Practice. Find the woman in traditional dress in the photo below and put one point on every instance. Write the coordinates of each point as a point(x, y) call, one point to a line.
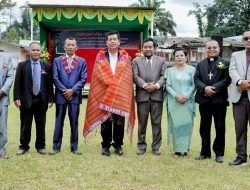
point(180, 103)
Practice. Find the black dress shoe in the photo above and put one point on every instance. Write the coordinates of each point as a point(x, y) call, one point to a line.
point(157, 152)
point(186, 154)
point(42, 151)
point(21, 152)
point(4, 156)
point(76, 152)
point(53, 152)
point(118, 151)
point(105, 152)
point(219, 159)
point(140, 151)
point(177, 154)
point(238, 162)
point(201, 157)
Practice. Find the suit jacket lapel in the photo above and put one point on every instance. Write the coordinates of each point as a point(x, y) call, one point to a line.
point(153, 65)
point(28, 65)
point(1, 77)
point(244, 60)
point(3, 62)
point(43, 72)
point(144, 62)
point(1, 66)
point(215, 70)
point(206, 70)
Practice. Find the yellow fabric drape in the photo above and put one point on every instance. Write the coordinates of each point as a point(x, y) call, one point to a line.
point(91, 13)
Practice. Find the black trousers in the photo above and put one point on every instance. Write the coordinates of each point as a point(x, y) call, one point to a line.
point(113, 128)
point(241, 113)
point(38, 111)
point(218, 113)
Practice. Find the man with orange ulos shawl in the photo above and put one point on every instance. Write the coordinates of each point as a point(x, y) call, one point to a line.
point(111, 98)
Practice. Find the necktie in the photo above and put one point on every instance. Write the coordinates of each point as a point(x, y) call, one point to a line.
point(35, 79)
point(248, 62)
point(148, 77)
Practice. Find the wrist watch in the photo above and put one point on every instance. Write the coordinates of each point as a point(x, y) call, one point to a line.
point(239, 82)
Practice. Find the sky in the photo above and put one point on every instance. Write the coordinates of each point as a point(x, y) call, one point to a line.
point(186, 25)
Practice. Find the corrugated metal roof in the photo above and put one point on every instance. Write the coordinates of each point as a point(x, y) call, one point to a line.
point(236, 38)
point(10, 43)
point(187, 41)
point(168, 42)
point(26, 43)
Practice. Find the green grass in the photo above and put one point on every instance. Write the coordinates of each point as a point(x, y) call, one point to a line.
point(92, 171)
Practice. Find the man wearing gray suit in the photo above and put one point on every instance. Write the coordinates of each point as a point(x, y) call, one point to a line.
point(6, 79)
point(239, 72)
point(148, 75)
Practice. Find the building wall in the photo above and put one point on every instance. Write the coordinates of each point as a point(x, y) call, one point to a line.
point(12, 49)
point(195, 54)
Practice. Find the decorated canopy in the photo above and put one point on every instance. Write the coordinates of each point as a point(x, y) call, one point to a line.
point(92, 17)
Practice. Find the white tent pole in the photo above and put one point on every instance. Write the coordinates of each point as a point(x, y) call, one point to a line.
point(152, 26)
point(31, 25)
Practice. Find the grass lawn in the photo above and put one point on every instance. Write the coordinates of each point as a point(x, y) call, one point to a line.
point(92, 171)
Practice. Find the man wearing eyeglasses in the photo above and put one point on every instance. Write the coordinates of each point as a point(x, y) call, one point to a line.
point(211, 80)
point(239, 96)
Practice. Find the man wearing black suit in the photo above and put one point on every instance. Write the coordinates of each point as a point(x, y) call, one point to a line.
point(211, 80)
point(33, 93)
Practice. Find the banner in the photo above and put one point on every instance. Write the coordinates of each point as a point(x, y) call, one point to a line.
point(87, 39)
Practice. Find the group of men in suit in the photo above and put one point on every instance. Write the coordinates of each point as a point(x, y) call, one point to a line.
point(148, 75)
point(33, 94)
point(213, 76)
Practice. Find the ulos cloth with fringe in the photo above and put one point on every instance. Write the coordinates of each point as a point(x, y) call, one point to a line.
point(110, 93)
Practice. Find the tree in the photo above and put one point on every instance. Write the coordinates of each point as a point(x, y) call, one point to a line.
point(23, 27)
point(226, 17)
point(229, 17)
point(163, 20)
point(6, 4)
point(199, 14)
point(25, 24)
point(11, 35)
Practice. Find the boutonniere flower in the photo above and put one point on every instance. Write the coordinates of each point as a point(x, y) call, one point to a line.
point(4, 66)
point(43, 72)
point(221, 66)
point(139, 54)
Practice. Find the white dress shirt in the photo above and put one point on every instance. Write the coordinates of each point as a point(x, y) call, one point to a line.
point(70, 59)
point(113, 61)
